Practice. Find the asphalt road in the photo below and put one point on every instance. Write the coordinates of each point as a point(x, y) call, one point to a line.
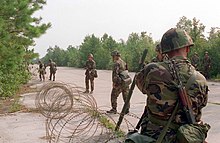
point(30, 127)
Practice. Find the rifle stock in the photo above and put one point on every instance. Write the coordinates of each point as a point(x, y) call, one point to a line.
point(130, 93)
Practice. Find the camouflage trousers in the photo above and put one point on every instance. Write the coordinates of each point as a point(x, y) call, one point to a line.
point(52, 73)
point(91, 79)
point(115, 93)
point(206, 72)
point(41, 75)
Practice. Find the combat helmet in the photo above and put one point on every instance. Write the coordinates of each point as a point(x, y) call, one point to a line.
point(115, 53)
point(175, 39)
point(90, 55)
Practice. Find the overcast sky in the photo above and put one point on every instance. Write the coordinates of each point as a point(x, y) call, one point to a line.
point(72, 20)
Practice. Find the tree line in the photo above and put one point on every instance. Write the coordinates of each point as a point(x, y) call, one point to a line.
point(132, 48)
point(19, 29)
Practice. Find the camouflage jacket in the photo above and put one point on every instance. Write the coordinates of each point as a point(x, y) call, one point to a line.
point(118, 67)
point(41, 67)
point(156, 80)
point(195, 60)
point(90, 65)
point(207, 61)
point(53, 66)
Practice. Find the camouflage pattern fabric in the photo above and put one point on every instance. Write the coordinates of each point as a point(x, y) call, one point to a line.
point(41, 71)
point(90, 65)
point(206, 66)
point(53, 69)
point(195, 61)
point(157, 82)
point(118, 67)
point(175, 39)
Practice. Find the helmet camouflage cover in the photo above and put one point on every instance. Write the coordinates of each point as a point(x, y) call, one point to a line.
point(115, 53)
point(90, 55)
point(175, 39)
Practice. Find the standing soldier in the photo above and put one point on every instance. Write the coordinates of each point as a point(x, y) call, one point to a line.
point(195, 60)
point(90, 73)
point(53, 69)
point(119, 83)
point(41, 71)
point(206, 65)
point(165, 119)
point(159, 57)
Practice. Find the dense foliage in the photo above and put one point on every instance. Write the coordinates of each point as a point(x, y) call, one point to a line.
point(132, 48)
point(18, 28)
point(101, 48)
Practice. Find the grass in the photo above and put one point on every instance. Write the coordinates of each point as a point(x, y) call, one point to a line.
point(12, 104)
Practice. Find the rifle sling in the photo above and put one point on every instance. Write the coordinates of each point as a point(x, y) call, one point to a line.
point(168, 124)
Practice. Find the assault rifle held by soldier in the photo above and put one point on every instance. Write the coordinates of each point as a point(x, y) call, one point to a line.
point(184, 99)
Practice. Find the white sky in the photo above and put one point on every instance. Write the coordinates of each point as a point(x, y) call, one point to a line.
point(72, 20)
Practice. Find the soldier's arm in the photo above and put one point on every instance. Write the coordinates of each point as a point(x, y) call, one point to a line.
point(198, 92)
point(94, 65)
point(116, 78)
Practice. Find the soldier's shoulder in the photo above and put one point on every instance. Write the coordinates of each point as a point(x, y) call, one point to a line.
point(155, 66)
point(154, 59)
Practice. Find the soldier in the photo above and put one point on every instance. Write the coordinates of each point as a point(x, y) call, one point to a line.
point(195, 60)
point(206, 65)
point(119, 70)
point(159, 57)
point(41, 71)
point(53, 69)
point(90, 68)
point(159, 83)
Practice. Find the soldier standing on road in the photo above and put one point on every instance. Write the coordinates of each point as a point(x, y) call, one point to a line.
point(119, 86)
point(41, 71)
point(206, 65)
point(90, 75)
point(53, 69)
point(159, 57)
point(195, 60)
point(159, 83)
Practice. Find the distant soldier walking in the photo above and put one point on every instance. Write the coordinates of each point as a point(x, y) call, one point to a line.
point(119, 86)
point(41, 71)
point(53, 69)
point(195, 60)
point(206, 65)
point(90, 73)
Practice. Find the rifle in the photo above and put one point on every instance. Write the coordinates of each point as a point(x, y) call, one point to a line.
point(184, 99)
point(130, 92)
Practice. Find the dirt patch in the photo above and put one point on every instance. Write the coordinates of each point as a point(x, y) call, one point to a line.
point(11, 104)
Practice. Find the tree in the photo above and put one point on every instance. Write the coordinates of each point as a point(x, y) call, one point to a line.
point(18, 28)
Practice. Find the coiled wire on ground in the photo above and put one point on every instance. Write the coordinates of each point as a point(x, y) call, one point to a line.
point(72, 116)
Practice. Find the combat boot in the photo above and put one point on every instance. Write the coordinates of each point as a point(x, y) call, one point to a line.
point(87, 91)
point(112, 111)
point(127, 111)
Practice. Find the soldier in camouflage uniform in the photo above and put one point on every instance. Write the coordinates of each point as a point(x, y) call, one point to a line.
point(159, 57)
point(53, 69)
point(41, 71)
point(157, 81)
point(90, 66)
point(118, 86)
point(206, 65)
point(195, 60)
